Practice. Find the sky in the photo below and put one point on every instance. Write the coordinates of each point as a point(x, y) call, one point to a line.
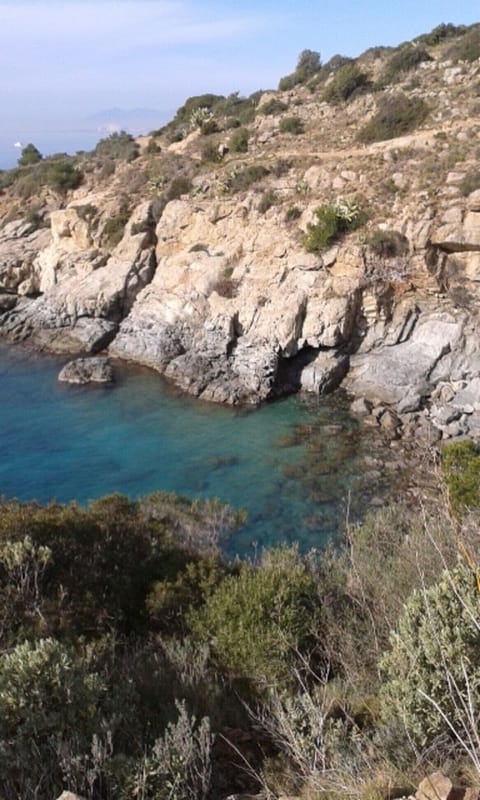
point(66, 66)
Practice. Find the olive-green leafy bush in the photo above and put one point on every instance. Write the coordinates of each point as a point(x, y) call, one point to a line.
point(259, 619)
point(308, 64)
point(118, 147)
point(267, 200)
point(178, 766)
point(48, 711)
point(238, 142)
point(460, 464)
point(432, 672)
point(332, 221)
point(291, 125)
point(467, 48)
point(347, 81)
point(242, 179)
point(396, 116)
point(293, 213)
point(470, 183)
point(403, 60)
point(441, 32)
point(178, 187)
point(387, 243)
point(29, 155)
point(272, 107)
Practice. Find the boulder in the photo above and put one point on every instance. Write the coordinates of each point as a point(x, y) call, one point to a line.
point(70, 796)
point(324, 373)
point(438, 787)
point(87, 370)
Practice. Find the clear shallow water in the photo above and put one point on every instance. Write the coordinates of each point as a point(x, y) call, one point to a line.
point(290, 464)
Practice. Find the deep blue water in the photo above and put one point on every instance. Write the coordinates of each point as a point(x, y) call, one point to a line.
point(284, 462)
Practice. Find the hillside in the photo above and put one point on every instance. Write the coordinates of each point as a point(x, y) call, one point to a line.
point(323, 233)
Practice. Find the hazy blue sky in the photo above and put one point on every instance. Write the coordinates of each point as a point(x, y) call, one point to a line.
point(62, 62)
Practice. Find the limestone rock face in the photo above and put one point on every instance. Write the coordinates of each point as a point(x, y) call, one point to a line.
point(456, 237)
point(18, 251)
point(85, 293)
point(228, 302)
point(389, 374)
point(87, 370)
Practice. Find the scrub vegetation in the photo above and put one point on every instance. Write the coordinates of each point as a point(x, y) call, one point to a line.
point(126, 678)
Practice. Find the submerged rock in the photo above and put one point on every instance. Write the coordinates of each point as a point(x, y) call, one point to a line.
point(87, 370)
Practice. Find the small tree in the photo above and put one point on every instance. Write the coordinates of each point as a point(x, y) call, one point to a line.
point(30, 155)
point(309, 62)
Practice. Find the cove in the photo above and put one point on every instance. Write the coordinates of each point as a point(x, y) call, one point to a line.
point(291, 464)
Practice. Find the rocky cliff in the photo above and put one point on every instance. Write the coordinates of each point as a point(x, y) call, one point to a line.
point(191, 258)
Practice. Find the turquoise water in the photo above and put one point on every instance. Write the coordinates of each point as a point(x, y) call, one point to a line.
point(290, 464)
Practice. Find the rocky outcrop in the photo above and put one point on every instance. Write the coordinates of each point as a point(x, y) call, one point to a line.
point(87, 370)
point(85, 293)
point(210, 283)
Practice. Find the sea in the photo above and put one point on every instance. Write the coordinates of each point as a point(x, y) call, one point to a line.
point(296, 465)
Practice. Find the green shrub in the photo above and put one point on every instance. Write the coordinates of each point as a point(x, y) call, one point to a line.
point(288, 82)
point(246, 176)
point(178, 766)
point(36, 219)
point(108, 169)
point(308, 64)
point(440, 33)
point(210, 153)
point(332, 222)
point(281, 167)
point(48, 712)
point(470, 183)
point(467, 48)
point(178, 187)
point(346, 81)
point(61, 175)
point(387, 243)
point(267, 200)
point(238, 142)
point(405, 59)
point(118, 147)
point(30, 155)
point(291, 125)
point(114, 228)
point(397, 115)
point(152, 147)
point(433, 667)
point(272, 107)
point(460, 464)
point(258, 619)
point(293, 213)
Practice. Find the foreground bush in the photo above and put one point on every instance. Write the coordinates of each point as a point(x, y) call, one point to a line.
point(432, 672)
point(48, 714)
point(258, 620)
